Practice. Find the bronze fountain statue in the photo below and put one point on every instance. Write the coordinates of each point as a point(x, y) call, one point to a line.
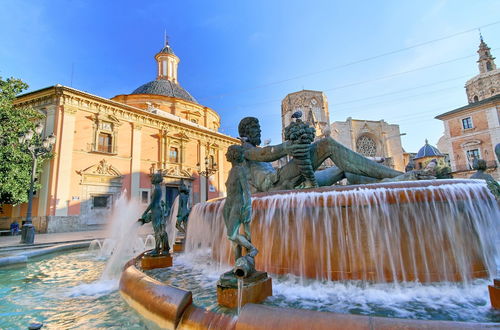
point(155, 213)
point(349, 164)
point(183, 209)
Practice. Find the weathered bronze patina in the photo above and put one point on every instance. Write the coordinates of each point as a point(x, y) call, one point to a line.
point(349, 164)
point(155, 213)
point(255, 286)
point(183, 210)
point(480, 167)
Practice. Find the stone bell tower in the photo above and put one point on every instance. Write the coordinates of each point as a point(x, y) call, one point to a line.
point(314, 107)
point(487, 83)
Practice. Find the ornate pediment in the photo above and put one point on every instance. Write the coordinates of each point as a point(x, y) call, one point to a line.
point(174, 171)
point(101, 173)
point(107, 117)
point(181, 136)
point(471, 143)
point(192, 113)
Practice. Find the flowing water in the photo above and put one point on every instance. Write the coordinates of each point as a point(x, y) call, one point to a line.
point(240, 294)
point(425, 232)
point(198, 273)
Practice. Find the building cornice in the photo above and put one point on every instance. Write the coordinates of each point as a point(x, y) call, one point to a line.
point(480, 104)
point(75, 98)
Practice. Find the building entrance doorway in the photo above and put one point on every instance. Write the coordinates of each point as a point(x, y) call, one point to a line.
point(170, 194)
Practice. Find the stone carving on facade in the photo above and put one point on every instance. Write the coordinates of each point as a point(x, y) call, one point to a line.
point(102, 173)
point(174, 170)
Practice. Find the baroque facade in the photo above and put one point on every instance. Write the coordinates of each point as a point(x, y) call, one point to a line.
point(109, 147)
point(472, 131)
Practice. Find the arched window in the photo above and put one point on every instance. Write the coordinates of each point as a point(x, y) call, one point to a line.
point(366, 146)
point(489, 67)
point(476, 98)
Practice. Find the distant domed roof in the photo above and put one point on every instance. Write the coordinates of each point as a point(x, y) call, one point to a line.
point(166, 88)
point(428, 151)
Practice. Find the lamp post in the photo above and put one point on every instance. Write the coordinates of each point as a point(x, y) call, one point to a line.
point(33, 144)
point(210, 169)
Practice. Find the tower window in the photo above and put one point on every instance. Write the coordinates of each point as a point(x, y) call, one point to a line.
point(489, 67)
point(105, 143)
point(173, 156)
point(476, 98)
point(467, 123)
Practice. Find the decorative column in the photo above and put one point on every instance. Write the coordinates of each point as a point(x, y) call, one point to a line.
point(203, 179)
point(65, 152)
point(220, 162)
point(135, 166)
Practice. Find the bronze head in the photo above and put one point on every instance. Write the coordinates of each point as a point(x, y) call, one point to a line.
point(480, 165)
point(157, 178)
point(249, 127)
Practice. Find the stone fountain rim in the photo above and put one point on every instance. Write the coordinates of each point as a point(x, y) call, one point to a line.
point(400, 185)
point(186, 315)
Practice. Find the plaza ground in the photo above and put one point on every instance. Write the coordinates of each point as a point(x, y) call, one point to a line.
point(58, 238)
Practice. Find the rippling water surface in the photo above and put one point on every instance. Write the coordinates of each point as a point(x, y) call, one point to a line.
point(63, 291)
point(436, 301)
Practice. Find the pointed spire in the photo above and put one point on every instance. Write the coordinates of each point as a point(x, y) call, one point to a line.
point(165, 37)
point(426, 141)
point(486, 61)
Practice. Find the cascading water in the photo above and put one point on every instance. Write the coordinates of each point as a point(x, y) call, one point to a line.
point(426, 231)
point(171, 222)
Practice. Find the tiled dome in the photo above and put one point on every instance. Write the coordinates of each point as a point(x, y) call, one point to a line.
point(165, 87)
point(428, 151)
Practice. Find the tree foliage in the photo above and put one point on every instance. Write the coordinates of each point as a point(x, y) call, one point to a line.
point(15, 164)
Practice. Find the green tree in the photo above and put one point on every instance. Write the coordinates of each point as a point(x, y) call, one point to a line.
point(15, 164)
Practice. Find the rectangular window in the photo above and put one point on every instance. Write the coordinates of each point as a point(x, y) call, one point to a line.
point(99, 202)
point(173, 156)
point(472, 155)
point(467, 123)
point(105, 143)
point(144, 197)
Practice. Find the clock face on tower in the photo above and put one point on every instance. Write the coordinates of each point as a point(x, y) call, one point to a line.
point(314, 102)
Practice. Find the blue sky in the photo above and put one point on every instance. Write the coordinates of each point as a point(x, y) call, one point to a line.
point(242, 57)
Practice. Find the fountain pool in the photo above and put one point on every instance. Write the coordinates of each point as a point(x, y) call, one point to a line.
point(434, 301)
point(66, 291)
point(63, 291)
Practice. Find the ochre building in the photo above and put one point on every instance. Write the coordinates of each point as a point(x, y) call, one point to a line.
point(472, 131)
point(109, 147)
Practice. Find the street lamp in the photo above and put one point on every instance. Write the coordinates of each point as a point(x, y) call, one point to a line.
point(32, 143)
point(210, 168)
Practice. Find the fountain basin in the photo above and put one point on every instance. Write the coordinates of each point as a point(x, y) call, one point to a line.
point(169, 307)
point(427, 231)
